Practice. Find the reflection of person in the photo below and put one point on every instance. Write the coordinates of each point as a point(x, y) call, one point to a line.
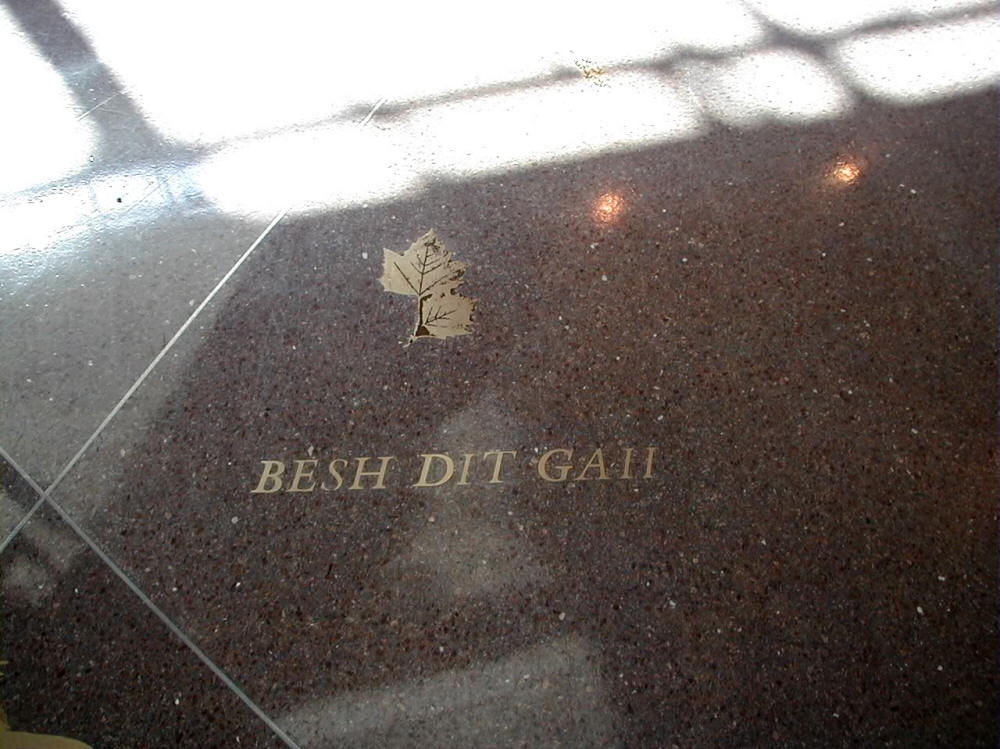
point(18, 740)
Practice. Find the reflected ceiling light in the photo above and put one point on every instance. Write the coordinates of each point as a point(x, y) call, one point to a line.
point(608, 208)
point(846, 172)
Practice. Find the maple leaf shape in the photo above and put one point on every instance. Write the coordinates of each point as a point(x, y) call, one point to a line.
point(428, 272)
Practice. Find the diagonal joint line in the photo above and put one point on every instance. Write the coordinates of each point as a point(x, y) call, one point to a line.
point(156, 360)
point(38, 503)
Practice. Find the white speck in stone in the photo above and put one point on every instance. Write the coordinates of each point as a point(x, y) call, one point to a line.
point(941, 578)
point(364, 255)
point(177, 701)
point(174, 589)
point(920, 610)
point(593, 245)
point(914, 431)
point(673, 604)
point(763, 542)
point(234, 520)
point(940, 668)
point(430, 519)
point(440, 648)
point(912, 191)
point(90, 363)
point(190, 302)
point(562, 616)
point(684, 259)
point(28, 380)
point(841, 223)
point(121, 453)
point(660, 417)
point(604, 277)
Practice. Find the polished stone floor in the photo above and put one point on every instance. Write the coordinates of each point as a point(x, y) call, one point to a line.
point(678, 430)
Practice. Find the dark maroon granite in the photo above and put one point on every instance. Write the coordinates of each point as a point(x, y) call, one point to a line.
point(812, 563)
point(86, 659)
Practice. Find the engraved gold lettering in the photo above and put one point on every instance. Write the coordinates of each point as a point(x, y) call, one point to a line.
point(270, 477)
point(463, 480)
point(335, 472)
point(596, 461)
point(628, 464)
point(495, 479)
point(301, 473)
point(425, 469)
point(543, 465)
point(649, 462)
point(380, 473)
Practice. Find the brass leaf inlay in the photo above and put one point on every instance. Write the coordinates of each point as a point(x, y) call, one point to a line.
point(429, 272)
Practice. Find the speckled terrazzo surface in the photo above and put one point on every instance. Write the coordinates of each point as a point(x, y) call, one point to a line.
point(722, 441)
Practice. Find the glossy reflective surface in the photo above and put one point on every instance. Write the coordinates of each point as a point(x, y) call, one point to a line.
point(712, 465)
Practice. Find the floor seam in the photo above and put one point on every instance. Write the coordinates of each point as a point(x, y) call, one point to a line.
point(38, 502)
point(169, 623)
point(46, 494)
point(163, 352)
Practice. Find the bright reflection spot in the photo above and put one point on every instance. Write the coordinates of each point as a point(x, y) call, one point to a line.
point(253, 68)
point(34, 224)
point(335, 165)
point(41, 138)
point(612, 35)
point(608, 208)
point(846, 172)
point(546, 123)
point(344, 164)
point(927, 63)
point(817, 18)
point(765, 86)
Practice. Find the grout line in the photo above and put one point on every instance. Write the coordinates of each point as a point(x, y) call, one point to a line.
point(20, 524)
point(102, 555)
point(368, 117)
point(156, 360)
point(38, 503)
point(215, 669)
point(24, 474)
point(99, 105)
